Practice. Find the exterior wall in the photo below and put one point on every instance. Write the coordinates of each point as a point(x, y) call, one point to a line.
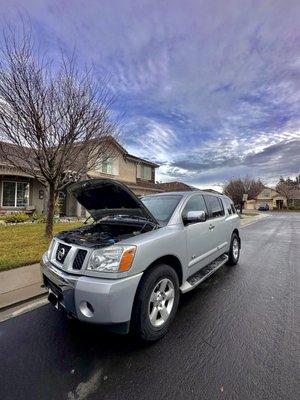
point(34, 196)
point(126, 170)
point(73, 208)
point(250, 205)
point(280, 198)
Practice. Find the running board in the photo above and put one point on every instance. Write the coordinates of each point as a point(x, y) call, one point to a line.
point(204, 273)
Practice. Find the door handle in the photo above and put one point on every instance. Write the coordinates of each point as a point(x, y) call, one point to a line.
point(211, 227)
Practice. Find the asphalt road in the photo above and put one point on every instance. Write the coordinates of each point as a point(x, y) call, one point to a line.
point(235, 337)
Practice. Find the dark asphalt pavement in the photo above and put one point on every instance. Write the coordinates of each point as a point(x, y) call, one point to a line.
point(235, 337)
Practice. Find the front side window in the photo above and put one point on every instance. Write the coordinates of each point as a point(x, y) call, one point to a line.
point(195, 203)
point(161, 207)
point(215, 206)
point(15, 194)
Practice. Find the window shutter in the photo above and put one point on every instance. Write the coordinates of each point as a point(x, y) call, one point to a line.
point(116, 166)
point(138, 171)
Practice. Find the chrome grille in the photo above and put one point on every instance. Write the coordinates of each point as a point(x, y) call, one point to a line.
point(79, 259)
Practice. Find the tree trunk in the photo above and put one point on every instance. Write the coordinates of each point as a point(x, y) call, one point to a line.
point(50, 211)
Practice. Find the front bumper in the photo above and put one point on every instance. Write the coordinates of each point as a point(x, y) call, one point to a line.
point(111, 300)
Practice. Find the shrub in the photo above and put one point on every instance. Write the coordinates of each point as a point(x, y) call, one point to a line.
point(16, 217)
point(38, 217)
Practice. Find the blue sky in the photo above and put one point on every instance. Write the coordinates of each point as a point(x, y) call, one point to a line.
point(209, 89)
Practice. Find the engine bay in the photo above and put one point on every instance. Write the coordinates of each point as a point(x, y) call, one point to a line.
point(105, 233)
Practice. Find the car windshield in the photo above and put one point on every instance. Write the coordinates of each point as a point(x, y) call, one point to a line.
point(161, 207)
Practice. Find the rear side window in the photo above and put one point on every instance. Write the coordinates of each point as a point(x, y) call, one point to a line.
point(195, 203)
point(215, 206)
point(229, 206)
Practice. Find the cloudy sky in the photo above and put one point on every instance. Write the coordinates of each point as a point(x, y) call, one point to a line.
point(209, 89)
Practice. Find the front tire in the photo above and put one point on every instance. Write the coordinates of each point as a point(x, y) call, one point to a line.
point(156, 303)
point(234, 251)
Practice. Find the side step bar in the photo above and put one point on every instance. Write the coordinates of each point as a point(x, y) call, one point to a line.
point(204, 273)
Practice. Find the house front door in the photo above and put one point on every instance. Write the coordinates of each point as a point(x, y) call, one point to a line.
point(279, 204)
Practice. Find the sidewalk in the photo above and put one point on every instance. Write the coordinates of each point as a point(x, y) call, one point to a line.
point(19, 285)
point(250, 219)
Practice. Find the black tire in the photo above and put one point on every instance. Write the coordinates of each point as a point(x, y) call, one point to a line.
point(141, 325)
point(233, 258)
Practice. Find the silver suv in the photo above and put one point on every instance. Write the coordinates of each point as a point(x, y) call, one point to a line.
point(127, 269)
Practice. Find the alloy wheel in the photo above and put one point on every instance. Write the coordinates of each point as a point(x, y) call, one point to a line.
point(161, 302)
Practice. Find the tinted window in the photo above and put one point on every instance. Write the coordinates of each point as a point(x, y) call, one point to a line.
point(215, 206)
point(161, 207)
point(195, 203)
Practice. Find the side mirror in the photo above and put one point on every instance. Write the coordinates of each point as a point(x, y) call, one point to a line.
point(194, 216)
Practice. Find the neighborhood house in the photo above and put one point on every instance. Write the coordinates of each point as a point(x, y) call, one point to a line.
point(267, 196)
point(20, 192)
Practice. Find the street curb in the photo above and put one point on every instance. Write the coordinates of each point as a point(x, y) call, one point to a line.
point(253, 222)
point(25, 301)
point(30, 305)
point(20, 285)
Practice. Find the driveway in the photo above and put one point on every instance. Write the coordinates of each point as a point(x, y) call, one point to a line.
point(235, 337)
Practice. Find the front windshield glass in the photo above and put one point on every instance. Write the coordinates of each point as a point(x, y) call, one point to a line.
point(161, 207)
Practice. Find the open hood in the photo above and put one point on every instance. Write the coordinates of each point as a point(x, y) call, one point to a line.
point(106, 197)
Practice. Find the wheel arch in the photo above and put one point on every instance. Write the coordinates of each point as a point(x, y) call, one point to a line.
point(170, 260)
point(236, 231)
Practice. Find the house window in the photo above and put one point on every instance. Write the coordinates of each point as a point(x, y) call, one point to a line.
point(266, 194)
point(145, 172)
point(15, 194)
point(107, 167)
point(110, 166)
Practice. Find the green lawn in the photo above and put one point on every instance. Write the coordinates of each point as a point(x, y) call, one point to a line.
point(24, 244)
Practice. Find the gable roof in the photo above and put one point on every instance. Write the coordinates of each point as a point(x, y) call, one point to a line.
point(12, 150)
point(129, 156)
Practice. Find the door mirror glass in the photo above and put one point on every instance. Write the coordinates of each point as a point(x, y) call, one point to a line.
point(194, 216)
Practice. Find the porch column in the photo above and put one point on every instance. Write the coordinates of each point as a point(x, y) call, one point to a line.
point(78, 210)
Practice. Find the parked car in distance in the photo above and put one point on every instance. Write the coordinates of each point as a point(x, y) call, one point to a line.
point(263, 207)
point(128, 268)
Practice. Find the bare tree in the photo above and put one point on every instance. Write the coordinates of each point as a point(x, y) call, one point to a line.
point(56, 120)
point(236, 187)
point(286, 187)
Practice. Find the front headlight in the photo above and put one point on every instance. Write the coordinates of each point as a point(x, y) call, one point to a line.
point(112, 259)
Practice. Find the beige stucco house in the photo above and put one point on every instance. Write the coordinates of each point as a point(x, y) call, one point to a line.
point(267, 196)
point(21, 192)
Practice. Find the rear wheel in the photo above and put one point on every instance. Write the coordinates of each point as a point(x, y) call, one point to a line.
point(234, 251)
point(156, 303)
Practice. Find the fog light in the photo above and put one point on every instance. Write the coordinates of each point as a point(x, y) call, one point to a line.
point(86, 309)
